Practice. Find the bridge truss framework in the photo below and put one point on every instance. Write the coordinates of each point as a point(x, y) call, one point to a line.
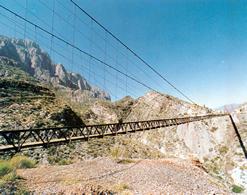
point(26, 138)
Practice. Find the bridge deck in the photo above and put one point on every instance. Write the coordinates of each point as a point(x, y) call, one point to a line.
point(27, 138)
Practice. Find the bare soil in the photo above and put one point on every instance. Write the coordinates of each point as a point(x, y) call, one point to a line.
point(160, 176)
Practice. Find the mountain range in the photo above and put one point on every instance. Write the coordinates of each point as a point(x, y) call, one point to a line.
point(33, 60)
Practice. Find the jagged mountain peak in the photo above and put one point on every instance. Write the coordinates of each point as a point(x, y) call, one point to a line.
point(38, 64)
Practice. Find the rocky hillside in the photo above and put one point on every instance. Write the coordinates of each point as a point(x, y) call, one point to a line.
point(228, 107)
point(154, 105)
point(25, 102)
point(33, 60)
point(212, 143)
point(239, 173)
point(150, 106)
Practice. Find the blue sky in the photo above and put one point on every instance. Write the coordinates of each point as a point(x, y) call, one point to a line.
point(200, 46)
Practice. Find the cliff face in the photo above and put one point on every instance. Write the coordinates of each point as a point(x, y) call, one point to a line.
point(239, 173)
point(38, 64)
point(201, 139)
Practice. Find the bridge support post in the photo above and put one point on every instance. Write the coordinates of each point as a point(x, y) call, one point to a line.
point(239, 136)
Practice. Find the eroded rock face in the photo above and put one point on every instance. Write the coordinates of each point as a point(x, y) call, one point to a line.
point(205, 138)
point(39, 65)
point(154, 105)
point(239, 172)
point(211, 142)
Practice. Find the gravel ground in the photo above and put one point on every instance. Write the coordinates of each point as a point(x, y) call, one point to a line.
point(162, 176)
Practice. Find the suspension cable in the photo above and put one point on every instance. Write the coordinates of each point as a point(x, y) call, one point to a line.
point(134, 53)
point(77, 48)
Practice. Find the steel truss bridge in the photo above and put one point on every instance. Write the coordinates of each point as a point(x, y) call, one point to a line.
point(113, 61)
point(16, 140)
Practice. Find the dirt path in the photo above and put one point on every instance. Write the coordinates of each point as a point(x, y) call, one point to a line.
point(166, 176)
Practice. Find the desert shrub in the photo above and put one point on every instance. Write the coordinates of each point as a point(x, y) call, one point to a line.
point(125, 161)
point(5, 168)
point(243, 167)
point(115, 152)
point(213, 129)
point(120, 187)
point(64, 162)
point(9, 184)
point(22, 162)
point(52, 160)
point(10, 177)
point(237, 189)
point(223, 150)
point(59, 160)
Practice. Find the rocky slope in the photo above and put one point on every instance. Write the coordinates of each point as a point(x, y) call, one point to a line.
point(239, 173)
point(154, 105)
point(150, 106)
point(25, 102)
point(213, 143)
point(33, 60)
point(228, 107)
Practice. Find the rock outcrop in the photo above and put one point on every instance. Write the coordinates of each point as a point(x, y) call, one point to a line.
point(38, 64)
point(239, 172)
point(25, 103)
point(154, 105)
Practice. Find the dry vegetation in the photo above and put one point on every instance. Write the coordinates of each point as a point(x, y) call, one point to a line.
point(10, 181)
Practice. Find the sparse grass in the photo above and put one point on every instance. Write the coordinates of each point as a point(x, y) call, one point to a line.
point(220, 177)
point(243, 167)
point(129, 148)
point(215, 169)
point(52, 160)
point(22, 162)
point(64, 162)
point(10, 177)
point(238, 153)
point(115, 152)
point(59, 160)
point(223, 150)
point(120, 187)
point(213, 166)
point(14, 73)
point(237, 189)
point(9, 180)
point(125, 161)
point(5, 168)
point(63, 154)
point(213, 129)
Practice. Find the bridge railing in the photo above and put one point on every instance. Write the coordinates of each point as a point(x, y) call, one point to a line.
point(24, 138)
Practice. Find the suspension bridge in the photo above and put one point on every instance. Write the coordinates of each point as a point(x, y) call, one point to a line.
point(92, 50)
point(27, 138)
